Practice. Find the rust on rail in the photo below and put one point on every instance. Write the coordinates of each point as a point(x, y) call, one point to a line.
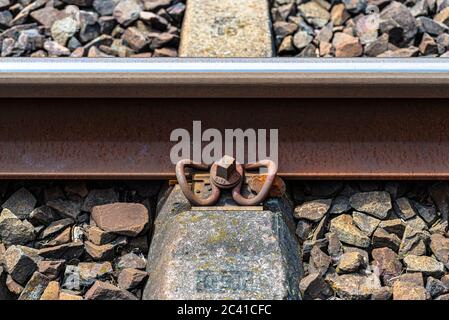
point(318, 138)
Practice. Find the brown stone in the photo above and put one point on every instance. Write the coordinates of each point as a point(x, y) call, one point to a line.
point(165, 53)
point(319, 261)
point(346, 45)
point(78, 53)
point(346, 231)
point(339, 15)
point(68, 251)
point(404, 208)
point(377, 47)
point(442, 16)
point(51, 269)
point(303, 229)
point(286, 47)
point(13, 230)
point(56, 227)
point(384, 293)
point(127, 11)
point(440, 248)
point(408, 291)
point(354, 286)
point(315, 13)
point(414, 242)
point(395, 226)
point(13, 286)
point(400, 53)
point(62, 238)
point(135, 38)
point(443, 297)
point(350, 262)
point(100, 253)
point(51, 292)
point(154, 20)
point(428, 45)
point(164, 39)
point(55, 49)
point(129, 279)
point(131, 260)
point(69, 296)
point(325, 48)
point(20, 264)
point(426, 265)
point(128, 219)
point(415, 278)
point(365, 222)
point(94, 52)
point(313, 286)
point(398, 22)
point(334, 247)
point(445, 280)
point(100, 237)
point(313, 210)
point(375, 203)
point(388, 264)
point(361, 251)
point(142, 55)
point(382, 238)
point(106, 291)
point(91, 271)
point(47, 16)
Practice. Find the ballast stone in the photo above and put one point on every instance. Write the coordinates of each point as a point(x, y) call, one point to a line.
point(226, 28)
point(128, 219)
point(222, 254)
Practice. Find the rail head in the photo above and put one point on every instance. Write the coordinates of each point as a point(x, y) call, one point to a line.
point(215, 78)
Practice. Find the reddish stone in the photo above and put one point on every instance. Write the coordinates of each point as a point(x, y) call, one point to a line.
point(100, 237)
point(106, 291)
point(128, 219)
point(13, 286)
point(100, 253)
point(51, 269)
point(387, 261)
point(131, 278)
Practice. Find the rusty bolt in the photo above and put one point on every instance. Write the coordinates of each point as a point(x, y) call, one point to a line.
point(226, 167)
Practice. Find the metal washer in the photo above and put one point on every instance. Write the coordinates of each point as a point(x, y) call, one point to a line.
point(224, 183)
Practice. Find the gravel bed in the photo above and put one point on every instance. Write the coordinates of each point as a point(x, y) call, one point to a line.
point(359, 240)
point(373, 240)
point(90, 28)
point(356, 28)
point(151, 28)
point(74, 241)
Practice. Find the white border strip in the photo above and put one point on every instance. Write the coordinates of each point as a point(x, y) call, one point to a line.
point(180, 65)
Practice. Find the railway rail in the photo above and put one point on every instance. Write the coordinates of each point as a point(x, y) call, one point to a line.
point(334, 119)
point(340, 118)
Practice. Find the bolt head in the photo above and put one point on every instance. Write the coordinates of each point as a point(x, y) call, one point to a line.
point(226, 167)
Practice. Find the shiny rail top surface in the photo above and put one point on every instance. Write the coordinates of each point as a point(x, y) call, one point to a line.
point(188, 77)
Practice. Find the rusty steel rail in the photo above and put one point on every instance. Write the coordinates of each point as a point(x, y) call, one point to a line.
point(60, 118)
